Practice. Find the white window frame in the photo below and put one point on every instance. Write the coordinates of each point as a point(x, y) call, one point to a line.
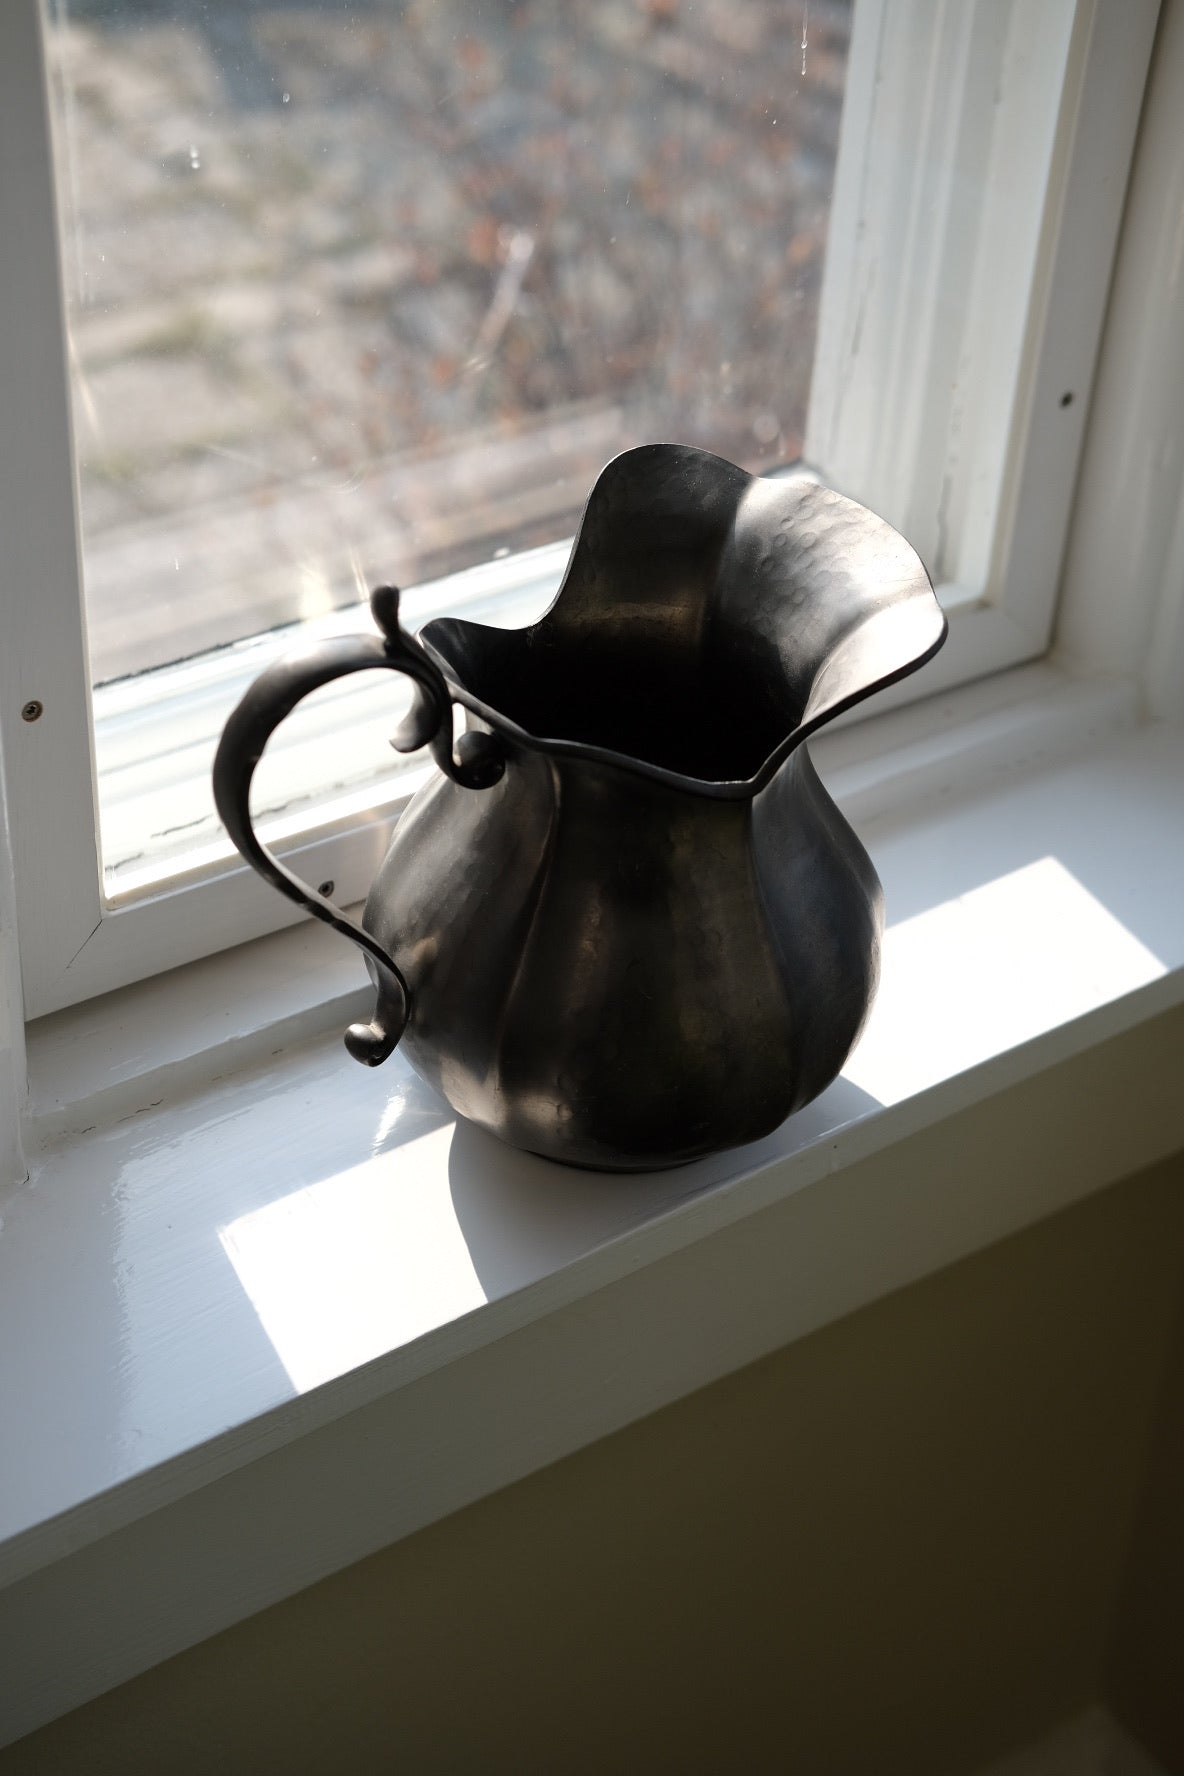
point(896, 228)
point(922, 305)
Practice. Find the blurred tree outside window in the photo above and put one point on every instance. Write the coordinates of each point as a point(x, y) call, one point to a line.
point(371, 291)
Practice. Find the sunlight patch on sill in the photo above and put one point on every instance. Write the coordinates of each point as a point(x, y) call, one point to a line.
point(333, 1272)
point(365, 1260)
point(1042, 950)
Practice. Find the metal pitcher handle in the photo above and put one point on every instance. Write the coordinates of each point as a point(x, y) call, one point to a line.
point(274, 694)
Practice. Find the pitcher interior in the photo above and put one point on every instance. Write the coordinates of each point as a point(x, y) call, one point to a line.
point(702, 711)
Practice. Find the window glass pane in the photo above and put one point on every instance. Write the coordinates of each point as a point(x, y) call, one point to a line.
point(376, 288)
point(371, 291)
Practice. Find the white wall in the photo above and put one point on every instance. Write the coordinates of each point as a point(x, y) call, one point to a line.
point(12, 1031)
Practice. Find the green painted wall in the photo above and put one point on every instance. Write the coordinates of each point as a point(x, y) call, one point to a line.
point(1145, 1680)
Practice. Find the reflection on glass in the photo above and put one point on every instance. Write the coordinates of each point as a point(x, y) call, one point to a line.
point(372, 290)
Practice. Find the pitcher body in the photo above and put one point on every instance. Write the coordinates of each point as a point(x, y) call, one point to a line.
point(620, 974)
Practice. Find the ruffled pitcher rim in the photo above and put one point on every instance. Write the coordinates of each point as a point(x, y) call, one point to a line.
point(897, 623)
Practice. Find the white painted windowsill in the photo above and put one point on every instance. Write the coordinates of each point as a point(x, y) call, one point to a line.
point(263, 1311)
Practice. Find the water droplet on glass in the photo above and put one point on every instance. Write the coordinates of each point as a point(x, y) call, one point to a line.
point(287, 98)
point(194, 158)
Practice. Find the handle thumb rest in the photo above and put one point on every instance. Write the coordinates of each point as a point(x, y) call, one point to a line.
point(272, 697)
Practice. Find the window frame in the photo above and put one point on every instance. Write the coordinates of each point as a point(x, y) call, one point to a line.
point(73, 942)
point(910, 60)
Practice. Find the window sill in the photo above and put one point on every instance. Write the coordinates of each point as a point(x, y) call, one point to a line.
point(264, 1312)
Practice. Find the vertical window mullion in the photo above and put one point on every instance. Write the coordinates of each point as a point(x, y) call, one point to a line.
point(44, 681)
point(972, 236)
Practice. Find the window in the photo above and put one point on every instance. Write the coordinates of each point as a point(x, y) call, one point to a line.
point(358, 294)
point(979, 180)
point(349, 286)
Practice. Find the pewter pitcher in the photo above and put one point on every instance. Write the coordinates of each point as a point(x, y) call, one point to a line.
point(626, 925)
